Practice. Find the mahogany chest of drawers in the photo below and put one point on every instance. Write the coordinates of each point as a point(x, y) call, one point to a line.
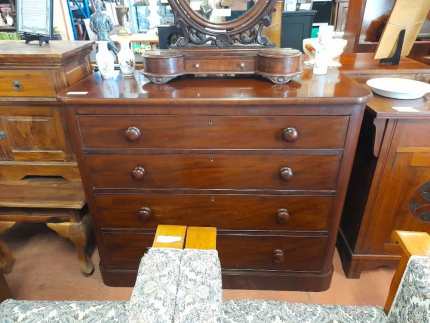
point(266, 164)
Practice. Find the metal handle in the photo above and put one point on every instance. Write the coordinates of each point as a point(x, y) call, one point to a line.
point(2, 135)
point(290, 134)
point(17, 86)
point(133, 133)
point(196, 65)
point(144, 213)
point(138, 172)
point(242, 65)
point(278, 256)
point(286, 173)
point(282, 216)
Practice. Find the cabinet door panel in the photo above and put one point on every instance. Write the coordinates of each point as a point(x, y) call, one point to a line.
point(33, 133)
point(5, 153)
point(404, 194)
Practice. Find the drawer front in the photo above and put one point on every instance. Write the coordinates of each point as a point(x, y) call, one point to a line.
point(271, 252)
point(239, 212)
point(228, 65)
point(203, 132)
point(214, 171)
point(123, 249)
point(17, 83)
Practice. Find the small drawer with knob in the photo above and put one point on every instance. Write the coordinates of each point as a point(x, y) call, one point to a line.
point(230, 65)
point(213, 171)
point(26, 83)
point(269, 251)
point(226, 212)
point(212, 132)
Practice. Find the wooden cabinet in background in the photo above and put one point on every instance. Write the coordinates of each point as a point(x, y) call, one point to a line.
point(39, 177)
point(387, 190)
point(340, 14)
point(390, 184)
point(31, 121)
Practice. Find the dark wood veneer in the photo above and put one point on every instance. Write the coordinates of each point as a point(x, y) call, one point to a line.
point(214, 171)
point(234, 212)
point(211, 132)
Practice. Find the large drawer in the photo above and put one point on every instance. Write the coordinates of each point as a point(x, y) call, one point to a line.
point(214, 171)
point(236, 251)
point(213, 132)
point(236, 212)
point(26, 83)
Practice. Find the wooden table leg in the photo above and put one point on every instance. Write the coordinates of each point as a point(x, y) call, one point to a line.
point(4, 289)
point(78, 233)
point(6, 264)
point(6, 225)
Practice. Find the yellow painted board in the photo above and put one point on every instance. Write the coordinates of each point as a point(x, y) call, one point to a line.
point(201, 238)
point(413, 243)
point(405, 15)
point(170, 236)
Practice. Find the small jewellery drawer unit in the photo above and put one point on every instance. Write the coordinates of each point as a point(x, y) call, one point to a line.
point(266, 164)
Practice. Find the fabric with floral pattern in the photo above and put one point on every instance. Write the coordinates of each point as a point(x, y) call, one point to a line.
point(412, 301)
point(248, 311)
point(154, 294)
point(12, 311)
point(199, 297)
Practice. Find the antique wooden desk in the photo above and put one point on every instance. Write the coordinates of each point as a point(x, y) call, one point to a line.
point(268, 165)
point(39, 178)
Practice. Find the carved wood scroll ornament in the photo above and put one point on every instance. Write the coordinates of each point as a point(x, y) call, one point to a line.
point(420, 203)
point(243, 31)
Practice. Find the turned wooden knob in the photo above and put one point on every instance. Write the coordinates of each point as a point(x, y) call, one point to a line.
point(278, 256)
point(286, 173)
point(133, 133)
point(282, 216)
point(144, 213)
point(138, 172)
point(17, 85)
point(290, 134)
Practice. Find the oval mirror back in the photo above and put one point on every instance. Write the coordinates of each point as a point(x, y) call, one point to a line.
point(201, 27)
point(221, 11)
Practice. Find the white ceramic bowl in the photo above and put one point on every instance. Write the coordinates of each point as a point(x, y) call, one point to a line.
point(398, 88)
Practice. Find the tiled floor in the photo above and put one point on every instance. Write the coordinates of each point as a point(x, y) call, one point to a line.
point(47, 269)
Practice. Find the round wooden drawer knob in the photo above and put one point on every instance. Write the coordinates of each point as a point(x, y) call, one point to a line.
point(278, 256)
point(144, 213)
point(282, 216)
point(290, 134)
point(17, 85)
point(138, 172)
point(286, 173)
point(133, 133)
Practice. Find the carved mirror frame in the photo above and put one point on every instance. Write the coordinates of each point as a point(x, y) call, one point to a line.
point(235, 47)
point(244, 30)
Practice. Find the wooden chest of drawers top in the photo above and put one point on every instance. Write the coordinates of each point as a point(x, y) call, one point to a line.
point(30, 71)
point(331, 89)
